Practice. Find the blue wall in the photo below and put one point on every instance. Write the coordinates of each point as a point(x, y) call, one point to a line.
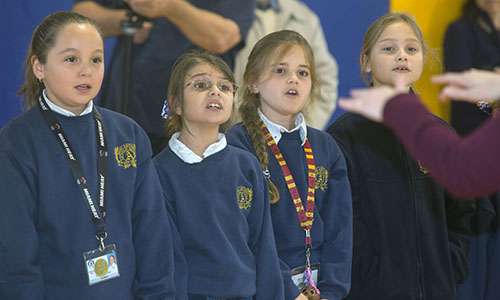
point(344, 24)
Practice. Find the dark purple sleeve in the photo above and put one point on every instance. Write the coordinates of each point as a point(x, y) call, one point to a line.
point(466, 166)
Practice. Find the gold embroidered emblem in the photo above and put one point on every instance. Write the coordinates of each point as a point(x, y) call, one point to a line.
point(126, 156)
point(321, 178)
point(422, 168)
point(244, 196)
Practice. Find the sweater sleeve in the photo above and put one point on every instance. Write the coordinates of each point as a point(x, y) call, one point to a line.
point(152, 237)
point(336, 213)
point(20, 273)
point(467, 166)
point(263, 246)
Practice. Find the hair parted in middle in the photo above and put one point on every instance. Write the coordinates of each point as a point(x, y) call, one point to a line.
point(182, 66)
point(375, 30)
point(271, 48)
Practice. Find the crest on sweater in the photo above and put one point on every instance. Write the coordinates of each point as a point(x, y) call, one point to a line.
point(321, 178)
point(422, 168)
point(126, 156)
point(244, 196)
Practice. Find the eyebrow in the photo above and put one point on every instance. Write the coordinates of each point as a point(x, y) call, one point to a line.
point(204, 74)
point(406, 40)
point(74, 49)
point(286, 64)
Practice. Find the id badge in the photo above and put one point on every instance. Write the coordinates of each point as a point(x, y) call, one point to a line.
point(298, 275)
point(101, 265)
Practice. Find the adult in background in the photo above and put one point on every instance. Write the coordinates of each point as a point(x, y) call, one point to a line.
point(275, 15)
point(472, 41)
point(218, 26)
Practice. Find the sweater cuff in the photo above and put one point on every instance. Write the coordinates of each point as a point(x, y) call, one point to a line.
point(291, 290)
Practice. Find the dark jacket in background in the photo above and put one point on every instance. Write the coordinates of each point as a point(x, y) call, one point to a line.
point(410, 238)
point(470, 42)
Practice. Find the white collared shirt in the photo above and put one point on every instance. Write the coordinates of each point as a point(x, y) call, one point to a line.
point(64, 112)
point(188, 156)
point(276, 130)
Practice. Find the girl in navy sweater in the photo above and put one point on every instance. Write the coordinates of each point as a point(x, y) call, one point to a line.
point(215, 193)
point(81, 210)
point(310, 194)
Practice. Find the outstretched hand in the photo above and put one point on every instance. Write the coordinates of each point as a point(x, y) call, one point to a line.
point(370, 102)
point(471, 86)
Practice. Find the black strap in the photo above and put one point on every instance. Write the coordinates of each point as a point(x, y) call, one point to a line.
point(97, 212)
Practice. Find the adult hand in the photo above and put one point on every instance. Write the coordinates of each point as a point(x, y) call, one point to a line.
point(370, 102)
point(150, 8)
point(143, 33)
point(471, 86)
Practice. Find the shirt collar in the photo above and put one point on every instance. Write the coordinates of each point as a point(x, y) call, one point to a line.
point(271, 4)
point(188, 156)
point(64, 112)
point(276, 130)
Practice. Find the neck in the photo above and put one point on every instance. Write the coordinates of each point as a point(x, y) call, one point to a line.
point(199, 139)
point(287, 121)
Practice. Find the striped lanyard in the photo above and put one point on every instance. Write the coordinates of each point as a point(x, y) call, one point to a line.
point(305, 216)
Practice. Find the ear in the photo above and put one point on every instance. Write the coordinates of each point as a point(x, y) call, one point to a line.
point(252, 86)
point(366, 64)
point(177, 108)
point(37, 66)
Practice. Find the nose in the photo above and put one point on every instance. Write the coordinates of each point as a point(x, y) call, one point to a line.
point(402, 57)
point(214, 90)
point(85, 70)
point(293, 78)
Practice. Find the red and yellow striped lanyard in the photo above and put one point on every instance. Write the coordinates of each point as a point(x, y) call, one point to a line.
point(305, 216)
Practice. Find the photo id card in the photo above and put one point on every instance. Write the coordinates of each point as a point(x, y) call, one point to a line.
point(101, 265)
point(298, 275)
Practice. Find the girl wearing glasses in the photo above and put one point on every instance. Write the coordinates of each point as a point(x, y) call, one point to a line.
point(216, 194)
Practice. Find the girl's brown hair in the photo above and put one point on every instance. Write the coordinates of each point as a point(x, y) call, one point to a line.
point(375, 30)
point(175, 96)
point(273, 46)
point(43, 40)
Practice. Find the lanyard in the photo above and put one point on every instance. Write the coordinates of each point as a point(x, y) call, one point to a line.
point(305, 216)
point(97, 212)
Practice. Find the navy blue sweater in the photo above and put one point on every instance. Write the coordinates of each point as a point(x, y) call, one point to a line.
point(221, 208)
point(332, 228)
point(45, 226)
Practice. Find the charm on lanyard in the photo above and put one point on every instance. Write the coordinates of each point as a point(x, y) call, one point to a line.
point(307, 272)
point(306, 216)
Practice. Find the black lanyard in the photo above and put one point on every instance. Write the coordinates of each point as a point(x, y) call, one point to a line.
point(97, 212)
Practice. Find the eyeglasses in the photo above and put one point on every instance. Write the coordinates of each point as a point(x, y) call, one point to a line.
point(203, 85)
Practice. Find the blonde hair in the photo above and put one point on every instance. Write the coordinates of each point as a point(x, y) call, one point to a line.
point(375, 30)
point(175, 95)
point(43, 40)
point(275, 45)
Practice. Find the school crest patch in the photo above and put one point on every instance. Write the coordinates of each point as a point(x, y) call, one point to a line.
point(244, 196)
point(422, 168)
point(321, 178)
point(126, 156)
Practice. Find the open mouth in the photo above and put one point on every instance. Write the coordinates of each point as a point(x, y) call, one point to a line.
point(83, 87)
point(292, 92)
point(401, 69)
point(214, 106)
